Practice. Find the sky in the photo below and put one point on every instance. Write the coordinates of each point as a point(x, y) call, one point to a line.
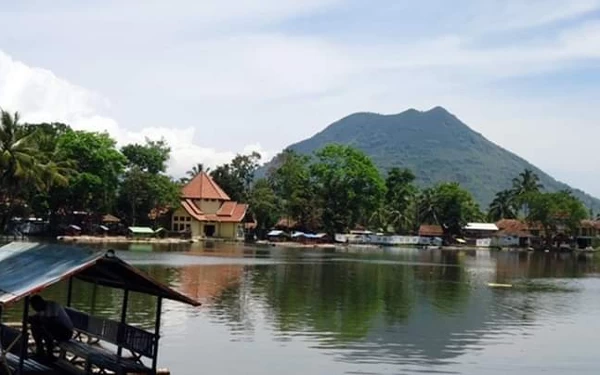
point(216, 78)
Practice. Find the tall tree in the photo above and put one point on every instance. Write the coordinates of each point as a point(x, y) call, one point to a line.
point(150, 157)
point(26, 165)
point(196, 170)
point(503, 206)
point(349, 187)
point(264, 206)
point(99, 166)
point(527, 182)
point(554, 211)
point(400, 196)
point(291, 181)
point(450, 206)
point(236, 177)
point(145, 187)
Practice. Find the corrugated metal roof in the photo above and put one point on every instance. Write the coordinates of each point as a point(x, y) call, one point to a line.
point(481, 226)
point(28, 268)
point(141, 230)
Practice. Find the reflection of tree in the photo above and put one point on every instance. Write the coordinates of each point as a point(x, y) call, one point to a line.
point(446, 284)
point(339, 298)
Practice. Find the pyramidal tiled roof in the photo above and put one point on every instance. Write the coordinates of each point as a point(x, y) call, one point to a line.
point(203, 187)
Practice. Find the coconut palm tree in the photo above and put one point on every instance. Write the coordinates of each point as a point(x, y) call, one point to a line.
point(23, 165)
point(503, 206)
point(527, 182)
point(196, 170)
point(427, 207)
point(17, 151)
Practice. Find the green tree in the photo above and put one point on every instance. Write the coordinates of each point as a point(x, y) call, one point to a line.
point(236, 177)
point(196, 170)
point(348, 185)
point(145, 187)
point(98, 168)
point(450, 206)
point(503, 206)
point(291, 181)
point(264, 206)
point(400, 196)
point(427, 208)
point(527, 182)
point(25, 167)
point(555, 211)
point(150, 157)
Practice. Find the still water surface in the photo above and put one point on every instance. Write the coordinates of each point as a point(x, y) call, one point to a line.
point(394, 311)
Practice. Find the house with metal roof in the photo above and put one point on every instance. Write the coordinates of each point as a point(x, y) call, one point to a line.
point(207, 211)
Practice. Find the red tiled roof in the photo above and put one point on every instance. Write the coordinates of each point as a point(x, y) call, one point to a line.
point(227, 208)
point(193, 210)
point(590, 224)
point(203, 187)
point(233, 212)
point(514, 227)
point(431, 230)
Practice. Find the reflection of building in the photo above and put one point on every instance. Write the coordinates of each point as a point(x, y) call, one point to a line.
point(207, 211)
point(203, 282)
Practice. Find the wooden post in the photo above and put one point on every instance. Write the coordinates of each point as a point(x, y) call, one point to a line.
point(70, 291)
point(24, 335)
point(123, 318)
point(156, 332)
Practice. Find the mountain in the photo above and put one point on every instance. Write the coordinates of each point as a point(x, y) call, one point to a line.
point(437, 146)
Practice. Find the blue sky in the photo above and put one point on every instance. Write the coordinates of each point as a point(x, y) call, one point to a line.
point(219, 77)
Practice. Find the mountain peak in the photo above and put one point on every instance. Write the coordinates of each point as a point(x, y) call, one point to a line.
point(437, 146)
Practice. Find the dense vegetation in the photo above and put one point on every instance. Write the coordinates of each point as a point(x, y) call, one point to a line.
point(437, 146)
point(53, 172)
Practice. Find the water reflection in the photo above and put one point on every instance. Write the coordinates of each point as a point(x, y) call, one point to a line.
point(383, 312)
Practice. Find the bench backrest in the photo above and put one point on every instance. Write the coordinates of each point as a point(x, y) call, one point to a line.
point(121, 334)
point(8, 335)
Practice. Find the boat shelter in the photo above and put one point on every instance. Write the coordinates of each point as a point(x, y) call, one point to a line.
point(29, 268)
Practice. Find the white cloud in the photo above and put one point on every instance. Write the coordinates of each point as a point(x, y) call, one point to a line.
point(40, 96)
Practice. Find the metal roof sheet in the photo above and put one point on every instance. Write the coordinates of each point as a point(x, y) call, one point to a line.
point(28, 268)
point(481, 226)
point(141, 230)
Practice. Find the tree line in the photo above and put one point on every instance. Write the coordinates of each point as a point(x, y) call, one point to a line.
point(339, 188)
point(52, 171)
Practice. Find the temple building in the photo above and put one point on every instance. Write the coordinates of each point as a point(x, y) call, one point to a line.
point(207, 211)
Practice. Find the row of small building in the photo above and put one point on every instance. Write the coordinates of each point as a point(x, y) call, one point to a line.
point(517, 233)
point(504, 233)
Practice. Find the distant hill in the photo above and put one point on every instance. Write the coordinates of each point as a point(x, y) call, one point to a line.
point(437, 146)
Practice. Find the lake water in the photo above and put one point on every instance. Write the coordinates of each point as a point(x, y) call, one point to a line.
point(392, 311)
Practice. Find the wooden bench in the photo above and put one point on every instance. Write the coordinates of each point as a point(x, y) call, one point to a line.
point(138, 342)
point(11, 343)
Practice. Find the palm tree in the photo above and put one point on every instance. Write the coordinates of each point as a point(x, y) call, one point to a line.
point(23, 164)
point(17, 151)
point(503, 206)
point(427, 207)
point(527, 182)
point(196, 170)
